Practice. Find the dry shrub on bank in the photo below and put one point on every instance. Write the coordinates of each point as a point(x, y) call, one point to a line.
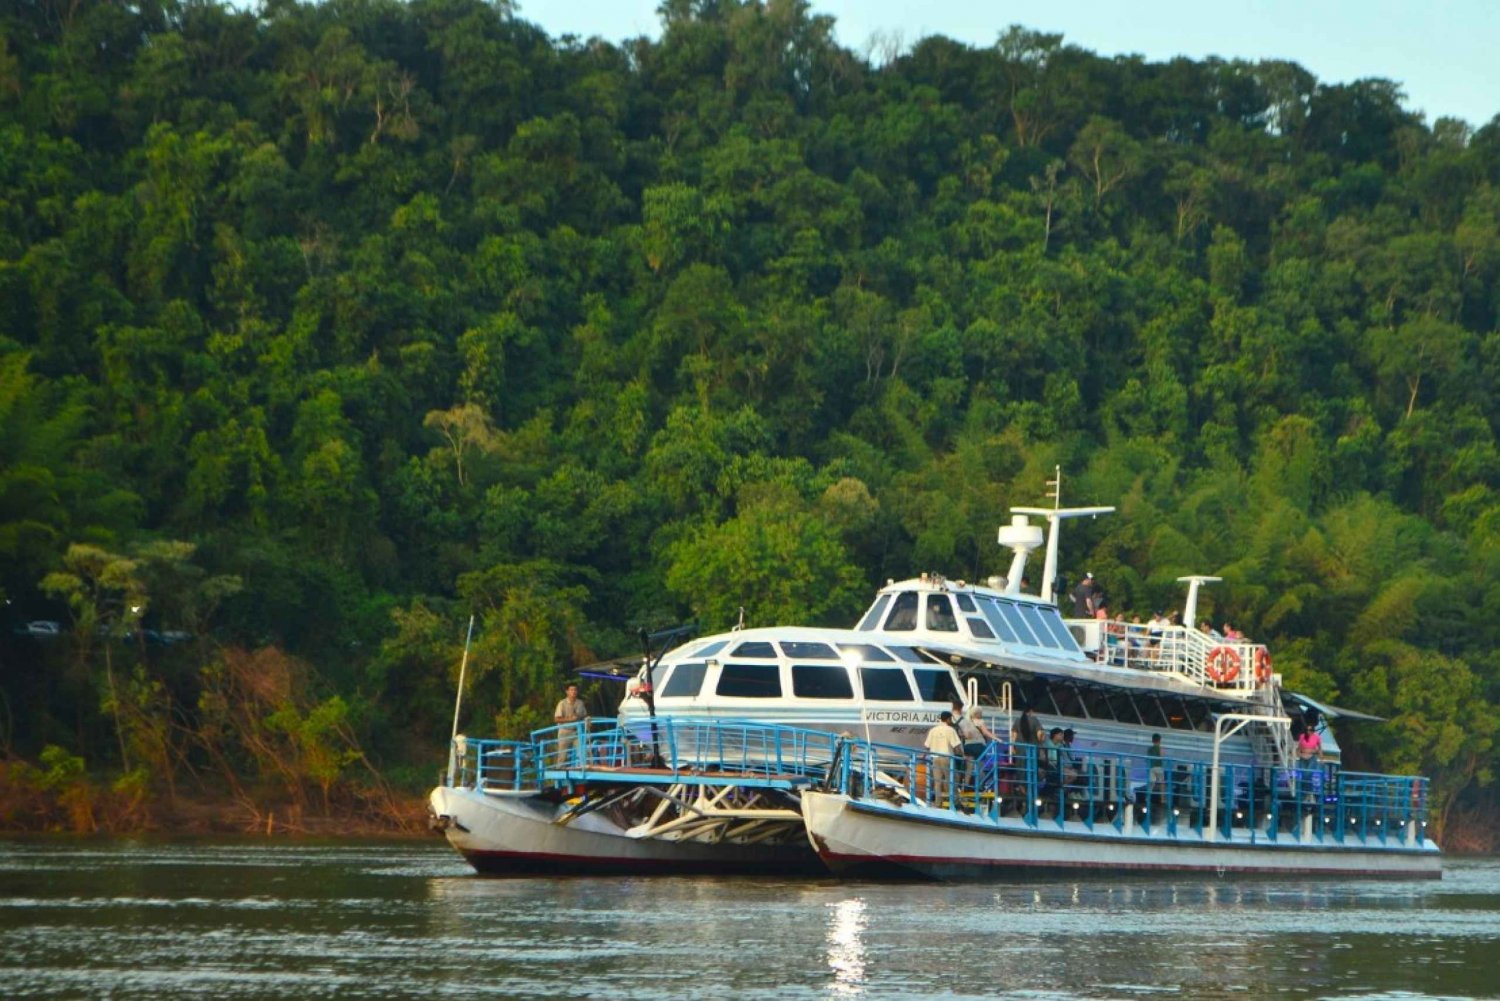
point(280, 748)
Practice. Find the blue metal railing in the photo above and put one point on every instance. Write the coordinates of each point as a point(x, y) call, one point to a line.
point(1036, 785)
point(1046, 786)
point(664, 748)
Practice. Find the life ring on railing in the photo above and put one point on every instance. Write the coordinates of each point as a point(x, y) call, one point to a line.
point(1262, 666)
point(1222, 665)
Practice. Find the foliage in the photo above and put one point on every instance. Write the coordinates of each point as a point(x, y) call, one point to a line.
point(325, 325)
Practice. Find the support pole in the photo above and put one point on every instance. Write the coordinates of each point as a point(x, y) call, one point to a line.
point(463, 670)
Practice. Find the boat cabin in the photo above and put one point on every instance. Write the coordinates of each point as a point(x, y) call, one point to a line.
point(741, 672)
point(934, 609)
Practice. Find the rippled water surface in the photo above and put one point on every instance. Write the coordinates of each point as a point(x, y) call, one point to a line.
point(253, 920)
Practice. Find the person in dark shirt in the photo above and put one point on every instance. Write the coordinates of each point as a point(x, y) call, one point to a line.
point(1084, 597)
point(1028, 729)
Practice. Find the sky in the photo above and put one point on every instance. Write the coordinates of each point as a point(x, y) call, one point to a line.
point(1444, 53)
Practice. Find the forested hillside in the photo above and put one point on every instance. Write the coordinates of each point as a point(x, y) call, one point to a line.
point(323, 326)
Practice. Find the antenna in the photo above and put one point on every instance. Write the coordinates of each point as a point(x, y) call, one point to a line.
point(1054, 519)
point(1190, 610)
point(1055, 516)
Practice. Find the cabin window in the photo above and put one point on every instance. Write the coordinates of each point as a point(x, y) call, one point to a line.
point(935, 685)
point(940, 614)
point(884, 684)
point(1033, 693)
point(909, 654)
point(711, 649)
point(1123, 706)
point(865, 651)
point(903, 613)
point(1151, 711)
point(1017, 624)
point(686, 681)
point(808, 651)
point(1202, 717)
point(750, 681)
point(1043, 634)
point(754, 648)
point(1052, 620)
point(1177, 714)
point(1065, 697)
point(821, 681)
point(1096, 704)
point(1002, 628)
point(979, 628)
point(872, 617)
point(965, 603)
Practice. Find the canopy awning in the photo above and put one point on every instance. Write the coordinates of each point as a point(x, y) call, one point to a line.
point(1331, 712)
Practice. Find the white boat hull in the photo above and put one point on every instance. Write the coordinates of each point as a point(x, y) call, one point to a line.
point(517, 835)
point(864, 838)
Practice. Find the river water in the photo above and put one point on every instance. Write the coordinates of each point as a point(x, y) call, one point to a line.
point(154, 919)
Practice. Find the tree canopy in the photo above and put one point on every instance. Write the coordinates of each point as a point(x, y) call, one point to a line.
point(376, 314)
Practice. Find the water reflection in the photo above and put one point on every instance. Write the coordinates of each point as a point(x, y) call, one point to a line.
point(846, 948)
point(146, 920)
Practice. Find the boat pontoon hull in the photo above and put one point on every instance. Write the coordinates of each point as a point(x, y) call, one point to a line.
point(527, 835)
point(864, 838)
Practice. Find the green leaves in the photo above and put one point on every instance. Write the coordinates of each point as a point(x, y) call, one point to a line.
point(405, 305)
point(775, 558)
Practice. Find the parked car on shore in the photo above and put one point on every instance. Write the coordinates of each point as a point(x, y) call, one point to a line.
point(41, 629)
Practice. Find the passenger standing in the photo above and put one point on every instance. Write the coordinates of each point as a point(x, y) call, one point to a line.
point(1155, 774)
point(1053, 756)
point(943, 746)
point(569, 711)
point(1309, 748)
point(1083, 597)
point(1028, 728)
point(1073, 771)
point(968, 731)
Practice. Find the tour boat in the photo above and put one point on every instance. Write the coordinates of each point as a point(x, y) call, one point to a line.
point(778, 748)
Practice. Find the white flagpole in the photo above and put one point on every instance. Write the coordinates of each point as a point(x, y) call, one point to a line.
point(458, 702)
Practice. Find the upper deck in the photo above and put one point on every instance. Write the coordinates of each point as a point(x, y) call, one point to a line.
point(1027, 632)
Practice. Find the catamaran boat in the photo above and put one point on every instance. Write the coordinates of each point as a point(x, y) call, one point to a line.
point(792, 748)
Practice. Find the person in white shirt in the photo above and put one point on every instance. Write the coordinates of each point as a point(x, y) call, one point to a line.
point(944, 746)
point(570, 710)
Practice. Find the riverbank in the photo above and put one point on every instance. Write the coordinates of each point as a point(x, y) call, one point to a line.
point(36, 801)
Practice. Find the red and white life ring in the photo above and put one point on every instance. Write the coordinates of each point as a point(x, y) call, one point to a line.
point(1262, 666)
point(1222, 665)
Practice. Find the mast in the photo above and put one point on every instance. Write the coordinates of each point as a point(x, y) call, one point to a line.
point(1190, 610)
point(1055, 516)
point(463, 668)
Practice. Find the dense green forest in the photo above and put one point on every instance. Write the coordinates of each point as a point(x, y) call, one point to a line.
point(323, 326)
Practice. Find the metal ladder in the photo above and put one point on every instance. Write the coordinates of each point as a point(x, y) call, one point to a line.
point(1272, 743)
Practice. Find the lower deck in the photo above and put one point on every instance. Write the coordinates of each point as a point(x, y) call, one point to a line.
point(698, 794)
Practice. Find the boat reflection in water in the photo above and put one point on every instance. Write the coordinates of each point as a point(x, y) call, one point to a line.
point(791, 748)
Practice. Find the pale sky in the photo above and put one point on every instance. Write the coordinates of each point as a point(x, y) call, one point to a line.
point(1444, 53)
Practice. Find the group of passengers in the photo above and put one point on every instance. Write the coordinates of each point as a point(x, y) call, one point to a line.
point(1125, 643)
point(964, 749)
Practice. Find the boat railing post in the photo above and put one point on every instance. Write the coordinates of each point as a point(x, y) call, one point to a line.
point(1033, 789)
